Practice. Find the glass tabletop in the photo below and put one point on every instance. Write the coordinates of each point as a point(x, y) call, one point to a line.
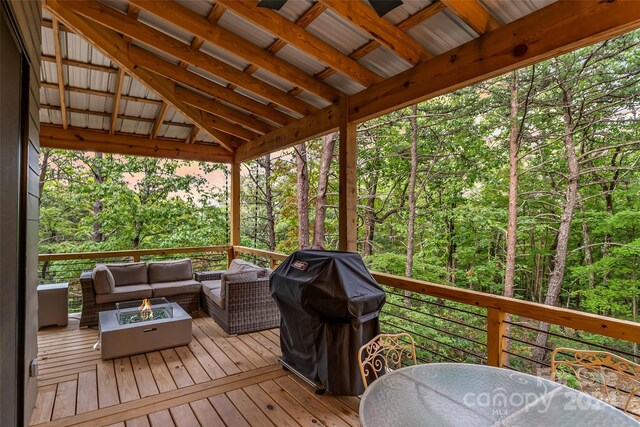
point(456, 394)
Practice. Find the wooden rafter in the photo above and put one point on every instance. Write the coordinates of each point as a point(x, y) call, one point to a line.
point(106, 114)
point(116, 48)
point(116, 101)
point(193, 136)
point(58, 48)
point(100, 141)
point(214, 107)
point(365, 18)
point(293, 34)
point(474, 14)
point(73, 63)
point(548, 32)
point(131, 27)
point(555, 29)
point(107, 94)
point(162, 111)
point(203, 28)
point(178, 74)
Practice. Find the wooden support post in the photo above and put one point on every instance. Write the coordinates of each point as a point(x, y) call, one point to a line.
point(496, 329)
point(235, 204)
point(136, 258)
point(348, 206)
point(231, 254)
point(273, 263)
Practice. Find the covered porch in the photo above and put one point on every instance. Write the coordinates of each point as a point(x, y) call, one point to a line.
point(229, 82)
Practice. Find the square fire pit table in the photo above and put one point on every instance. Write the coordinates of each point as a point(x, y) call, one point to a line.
point(141, 326)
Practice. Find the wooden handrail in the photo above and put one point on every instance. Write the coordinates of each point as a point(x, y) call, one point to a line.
point(134, 253)
point(497, 307)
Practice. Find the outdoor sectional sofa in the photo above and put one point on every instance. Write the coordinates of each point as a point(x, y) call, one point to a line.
point(238, 299)
point(108, 284)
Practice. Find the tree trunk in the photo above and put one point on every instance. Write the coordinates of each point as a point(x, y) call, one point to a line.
point(370, 217)
point(588, 256)
point(557, 275)
point(512, 225)
point(97, 235)
point(44, 166)
point(303, 196)
point(408, 269)
point(271, 230)
point(328, 145)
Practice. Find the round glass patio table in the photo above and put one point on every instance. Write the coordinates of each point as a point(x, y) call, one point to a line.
point(457, 394)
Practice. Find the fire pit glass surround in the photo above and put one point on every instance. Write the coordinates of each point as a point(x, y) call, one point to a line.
point(143, 310)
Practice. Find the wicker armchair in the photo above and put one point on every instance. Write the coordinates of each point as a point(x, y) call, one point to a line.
point(247, 307)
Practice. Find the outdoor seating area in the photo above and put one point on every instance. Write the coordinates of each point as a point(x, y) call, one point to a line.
point(216, 379)
point(163, 337)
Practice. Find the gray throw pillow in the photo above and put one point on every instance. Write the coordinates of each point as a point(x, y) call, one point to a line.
point(103, 282)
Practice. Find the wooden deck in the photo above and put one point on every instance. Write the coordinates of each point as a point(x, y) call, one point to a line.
point(216, 380)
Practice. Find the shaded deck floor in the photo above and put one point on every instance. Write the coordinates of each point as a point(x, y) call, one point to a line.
point(216, 380)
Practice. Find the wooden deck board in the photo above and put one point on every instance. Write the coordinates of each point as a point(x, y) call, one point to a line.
point(215, 380)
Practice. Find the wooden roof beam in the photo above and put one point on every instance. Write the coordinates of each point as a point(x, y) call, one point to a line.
point(59, 71)
point(180, 16)
point(474, 14)
point(551, 31)
point(159, 120)
point(131, 27)
point(116, 101)
point(116, 48)
point(95, 92)
point(103, 142)
point(215, 107)
point(293, 34)
point(382, 31)
point(159, 66)
point(73, 63)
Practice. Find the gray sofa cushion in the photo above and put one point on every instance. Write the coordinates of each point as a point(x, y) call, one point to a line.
point(207, 285)
point(170, 271)
point(103, 281)
point(130, 273)
point(166, 289)
point(126, 293)
point(241, 265)
point(216, 297)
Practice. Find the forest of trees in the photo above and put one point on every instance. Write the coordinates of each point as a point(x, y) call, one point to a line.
point(525, 185)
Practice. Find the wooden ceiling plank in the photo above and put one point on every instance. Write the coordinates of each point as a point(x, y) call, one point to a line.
point(161, 67)
point(116, 101)
point(73, 63)
point(381, 30)
point(59, 71)
point(103, 142)
point(474, 14)
point(215, 107)
point(162, 111)
point(422, 15)
point(131, 27)
point(182, 17)
point(293, 34)
point(116, 48)
point(551, 31)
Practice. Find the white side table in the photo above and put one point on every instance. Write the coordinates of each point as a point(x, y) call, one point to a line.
point(53, 304)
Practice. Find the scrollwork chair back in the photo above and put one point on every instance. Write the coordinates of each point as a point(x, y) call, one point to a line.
point(385, 353)
point(601, 374)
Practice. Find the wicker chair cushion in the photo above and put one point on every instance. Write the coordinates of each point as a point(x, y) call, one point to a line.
point(241, 265)
point(167, 289)
point(216, 297)
point(103, 281)
point(130, 273)
point(170, 271)
point(125, 293)
point(207, 285)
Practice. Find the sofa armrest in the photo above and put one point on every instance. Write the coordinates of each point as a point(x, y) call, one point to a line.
point(209, 275)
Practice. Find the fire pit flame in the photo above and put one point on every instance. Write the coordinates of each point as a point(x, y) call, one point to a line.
point(146, 313)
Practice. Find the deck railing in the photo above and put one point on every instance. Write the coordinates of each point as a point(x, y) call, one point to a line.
point(449, 323)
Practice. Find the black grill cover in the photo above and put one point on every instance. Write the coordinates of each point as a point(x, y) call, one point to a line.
point(329, 304)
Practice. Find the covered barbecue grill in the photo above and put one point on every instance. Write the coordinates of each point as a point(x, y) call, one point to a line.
point(330, 305)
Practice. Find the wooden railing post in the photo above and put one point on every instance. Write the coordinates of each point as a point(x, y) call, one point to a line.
point(273, 263)
point(496, 330)
point(136, 258)
point(348, 203)
point(230, 255)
